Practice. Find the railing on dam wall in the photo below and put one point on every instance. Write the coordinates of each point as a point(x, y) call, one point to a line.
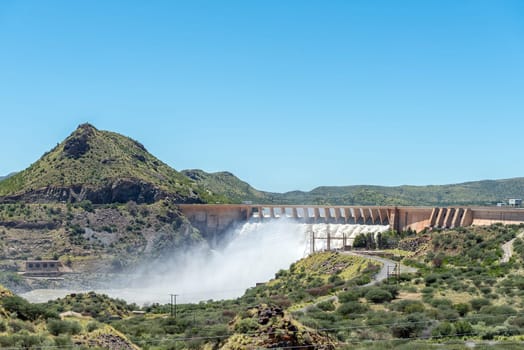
point(348, 215)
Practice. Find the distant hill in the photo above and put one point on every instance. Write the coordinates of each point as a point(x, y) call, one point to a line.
point(103, 167)
point(106, 167)
point(7, 176)
point(228, 186)
point(487, 192)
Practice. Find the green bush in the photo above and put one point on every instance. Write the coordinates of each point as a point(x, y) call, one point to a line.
point(408, 306)
point(246, 325)
point(463, 328)
point(344, 297)
point(444, 329)
point(326, 305)
point(409, 326)
point(431, 279)
point(25, 310)
point(478, 303)
point(378, 295)
point(57, 327)
point(352, 307)
point(91, 326)
point(63, 341)
point(462, 308)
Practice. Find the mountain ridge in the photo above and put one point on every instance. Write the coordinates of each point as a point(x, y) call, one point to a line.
point(103, 167)
point(106, 167)
point(483, 192)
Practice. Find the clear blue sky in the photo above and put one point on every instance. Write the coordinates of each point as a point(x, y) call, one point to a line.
point(285, 94)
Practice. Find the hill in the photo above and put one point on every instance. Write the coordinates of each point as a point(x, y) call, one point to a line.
point(103, 167)
point(89, 239)
point(487, 192)
point(28, 326)
point(227, 185)
point(106, 167)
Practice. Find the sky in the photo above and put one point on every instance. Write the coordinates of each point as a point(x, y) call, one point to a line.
point(287, 95)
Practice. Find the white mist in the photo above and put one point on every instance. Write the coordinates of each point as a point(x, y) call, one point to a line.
point(249, 254)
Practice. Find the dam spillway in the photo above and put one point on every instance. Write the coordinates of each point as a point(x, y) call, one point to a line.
point(213, 219)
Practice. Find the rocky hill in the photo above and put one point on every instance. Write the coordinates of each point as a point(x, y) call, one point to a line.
point(102, 167)
point(106, 167)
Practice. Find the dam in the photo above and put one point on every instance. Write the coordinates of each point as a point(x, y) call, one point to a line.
point(213, 219)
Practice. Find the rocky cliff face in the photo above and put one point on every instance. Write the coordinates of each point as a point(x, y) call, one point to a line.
point(117, 191)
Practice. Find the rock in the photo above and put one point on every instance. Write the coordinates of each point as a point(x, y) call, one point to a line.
point(78, 144)
point(413, 244)
point(139, 157)
point(115, 191)
point(111, 341)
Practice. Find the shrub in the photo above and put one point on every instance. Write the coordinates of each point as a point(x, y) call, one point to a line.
point(352, 307)
point(431, 278)
point(63, 341)
point(378, 295)
point(348, 296)
point(86, 205)
point(441, 303)
point(18, 325)
point(246, 325)
point(463, 328)
point(478, 303)
point(361, 280)
point(319, 291)
point(57, 327)
point(444, 329)
point(326, 305)
point(408, 306)
point(517, 321)
point(462, 308)
point(409, 326)
point(25, 310)
point(494, 315)
point(91, 326)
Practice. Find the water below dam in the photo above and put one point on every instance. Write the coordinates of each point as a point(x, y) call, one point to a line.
point(249, 254)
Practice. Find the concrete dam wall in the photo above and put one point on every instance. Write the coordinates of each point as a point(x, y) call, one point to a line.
point(212, 219)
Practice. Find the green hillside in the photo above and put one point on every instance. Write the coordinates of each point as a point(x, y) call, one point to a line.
point(487, 192)
point(460, 295)
point(103, 167)
point(227, 185)
point(106, 167)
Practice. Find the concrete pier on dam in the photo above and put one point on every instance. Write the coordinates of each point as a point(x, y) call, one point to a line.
point(214, 219)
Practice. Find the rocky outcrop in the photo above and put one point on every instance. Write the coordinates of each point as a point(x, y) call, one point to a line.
point(413, 244)
point(77, 144)
point(29, 225)
point(111, 341)
point(116, 191)
point(275, 330)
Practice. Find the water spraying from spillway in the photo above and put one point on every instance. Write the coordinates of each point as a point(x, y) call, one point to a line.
point(249, 254)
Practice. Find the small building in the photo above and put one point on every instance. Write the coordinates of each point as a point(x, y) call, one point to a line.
point(515, 202)
point(43, 268)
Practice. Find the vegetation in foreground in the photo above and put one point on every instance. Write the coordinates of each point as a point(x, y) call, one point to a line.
point(460, 292)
